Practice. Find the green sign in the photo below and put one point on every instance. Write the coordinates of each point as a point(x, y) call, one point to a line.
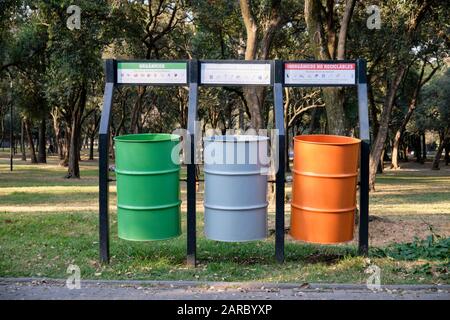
point(152, 72)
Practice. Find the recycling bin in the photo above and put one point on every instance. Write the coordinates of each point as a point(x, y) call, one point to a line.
point(148, 194)
point(324, 188)
point(235, 199)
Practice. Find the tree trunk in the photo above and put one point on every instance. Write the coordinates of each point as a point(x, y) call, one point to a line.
point(58, 139)
point(112, 154)
point(380, 139)
point(405, 148)
point(395, 146)
point(418, 149)
point(412, 106)
point(22, 140)
point(54, 143)
point(373, 109)
point(287, 160)
point(415, 20)
point(60, 148)
point(286, 152)
point(334, 103)
point(74, 152)
point(447, 152)
point(66, 146)
point(42, 154)
point(324, 47)
point(81, 145)
point(312, 124)
point(91, 147)
point(380, 168)
point(385, 152)
point(424, 147)
point(438, 155)
point(3, 133)
point(75, 137)
point(30, 140)
point(136, 111)
point(399, 133)
point(255, 97)
point(384, 157)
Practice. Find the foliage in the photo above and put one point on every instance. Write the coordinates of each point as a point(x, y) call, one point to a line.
point(436, 102)
point(434, 247)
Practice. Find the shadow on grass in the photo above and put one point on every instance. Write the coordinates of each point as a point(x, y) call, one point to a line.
point(29, 198)
point(414, 198)
point(401, 180)
point(263, 252)
point(173, 252)
point(39, 177)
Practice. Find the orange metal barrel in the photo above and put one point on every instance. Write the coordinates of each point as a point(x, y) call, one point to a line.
point(324, 188)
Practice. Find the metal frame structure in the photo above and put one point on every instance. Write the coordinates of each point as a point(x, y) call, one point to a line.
point(194, 83)
point(364, 133)
point(111, 84)
point(277, 82)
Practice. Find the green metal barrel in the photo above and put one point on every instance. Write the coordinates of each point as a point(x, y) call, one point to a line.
point(148, 190)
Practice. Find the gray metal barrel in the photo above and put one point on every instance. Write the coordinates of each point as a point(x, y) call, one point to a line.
point(235, 187)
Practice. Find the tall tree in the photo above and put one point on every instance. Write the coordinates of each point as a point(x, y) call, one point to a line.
point(328, 25)
point(151, 30)
point(260, 31)
point(436, 102)
point(74, 65)
point(412, 104)
point(417, 14)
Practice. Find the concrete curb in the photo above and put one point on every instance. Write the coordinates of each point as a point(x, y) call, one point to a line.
point(247, 285)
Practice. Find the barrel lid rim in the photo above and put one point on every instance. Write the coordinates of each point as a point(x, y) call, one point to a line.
point(350, 140)
point(162, 137)
point(235, 138)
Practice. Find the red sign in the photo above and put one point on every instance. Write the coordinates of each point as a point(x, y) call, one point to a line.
point(320, 66)
point(320, 73)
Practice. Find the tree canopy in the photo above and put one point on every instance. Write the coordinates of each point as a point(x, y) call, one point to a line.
point(57, 72)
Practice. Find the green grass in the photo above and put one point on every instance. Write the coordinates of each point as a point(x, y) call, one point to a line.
point(412, 192)
point(44, 245)
point(48, 222)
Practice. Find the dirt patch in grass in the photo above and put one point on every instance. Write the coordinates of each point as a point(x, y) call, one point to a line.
point(387, 230)
point(325, 258)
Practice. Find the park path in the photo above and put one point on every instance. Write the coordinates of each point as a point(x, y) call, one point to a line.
point(45, 289)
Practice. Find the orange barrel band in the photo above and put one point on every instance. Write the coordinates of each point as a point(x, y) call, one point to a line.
point(324, 188)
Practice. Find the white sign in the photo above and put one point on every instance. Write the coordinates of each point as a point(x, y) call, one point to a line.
point(320, 73)
point(152, 72)
point(235, 73)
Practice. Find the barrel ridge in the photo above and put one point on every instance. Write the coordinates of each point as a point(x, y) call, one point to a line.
point(235, 173)
point(145, 173)
point(240, 208)
point(143, 208)
point(322, 210)
point(324, 175)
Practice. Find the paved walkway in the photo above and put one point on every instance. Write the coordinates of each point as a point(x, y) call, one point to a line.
point(29, 288)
